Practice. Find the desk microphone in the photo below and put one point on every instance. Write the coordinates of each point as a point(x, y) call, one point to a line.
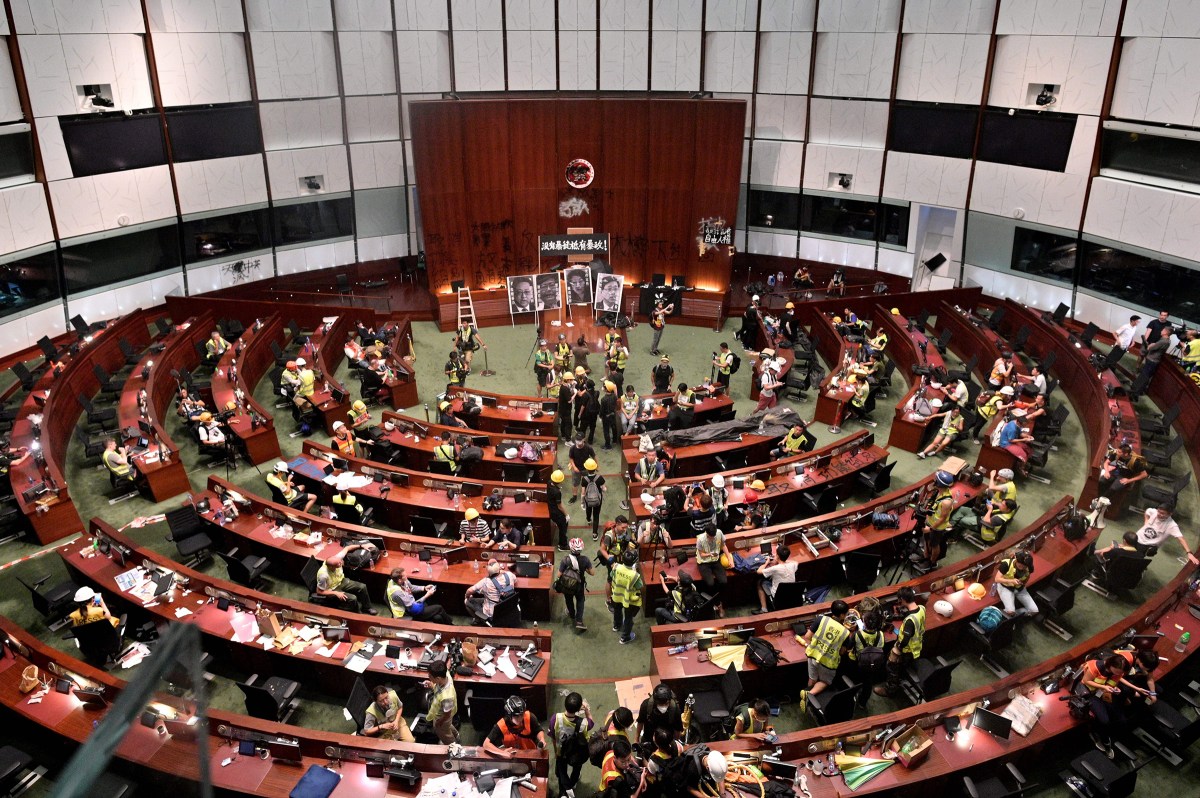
point(437, 638)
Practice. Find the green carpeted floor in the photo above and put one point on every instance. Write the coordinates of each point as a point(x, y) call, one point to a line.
point(575, 663)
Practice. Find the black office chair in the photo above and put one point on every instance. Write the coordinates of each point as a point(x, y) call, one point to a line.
point(308, 575)
point(92, 447)
point(108, 383)
point(99, 641)
point(788, 595)
point(927, 679)
point(281, 357)
point(731, 461)
point(1159, 424)
point(998, 786)
point(877, 479)
point(1161, 456)
point(1120, 575)
point(424, 526)
point(1018, 341)
point(714, 704)
point(110, 785)
point(834, 704)
point(1104, 777)
point(483, 710)
point(1055, 598)
point(1156, 492)
point(993, 641)
point(1167, 731)
point(819, 502)
point(943, 340)
point(372, 387)
point(506, 614)
point(247, 570)
point(273, 699)
point(23, 375)
point(132, 356)
point(860, 569)
point(53, 604)
point(179, 676)
point(188, 535)
point(105, 418)
point(349, 514)
point(17, 773)
point(441, 468)
point(966, 372)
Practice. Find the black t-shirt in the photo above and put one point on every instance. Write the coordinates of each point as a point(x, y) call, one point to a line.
point(580, 454)
point(553, 495)
point(1154, 330)
point(651, 719)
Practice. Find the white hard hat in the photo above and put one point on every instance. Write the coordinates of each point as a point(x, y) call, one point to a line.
point(718, 481)
point(754, 298)
point(510, 453)
point(301, 361)
point(343, 480)
point(943, 608)
point(84, 593)
point(717, 767)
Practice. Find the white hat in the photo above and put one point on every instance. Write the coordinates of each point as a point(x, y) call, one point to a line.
point(510, 453)
point(754, 298)
point(343, 480)
point(281, 467)
point(337, 425)
point(943, 608)
point(1007, 390)
point(301, 361)
point(1005, 473)
point(935, 403)
point(84, 593)
point(717, 767)
point(718, 481)
point(647, 499)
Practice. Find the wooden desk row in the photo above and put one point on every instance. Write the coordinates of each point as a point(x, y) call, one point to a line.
point(523, 415)
point(254, 358)
point(233, 633)
point(701, 458)
point(329, 344)
point(909, 348)
point(251, 532)
point(53, 515)
point(158, 757)
point(416, 441)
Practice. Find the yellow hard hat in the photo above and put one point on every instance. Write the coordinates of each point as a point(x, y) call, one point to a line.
point(837, 319)
point(580, 371)
point(557, 476)
point(568, 377)
point(231, 405)
point(976, 591)
point(471, 514)
point(444, 405)
point(852, 378)
point(609, 385)
point(790, 306)
point(758, 484)
point(205, 417)
point(895, 311)
point(590, 464)
point(359, 406)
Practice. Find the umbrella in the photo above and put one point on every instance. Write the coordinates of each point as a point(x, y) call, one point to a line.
point(723, 655)
point(858, 770)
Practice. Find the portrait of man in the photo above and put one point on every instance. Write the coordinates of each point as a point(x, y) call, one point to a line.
point(579, 286)
point(549, 295)
point(608, 293)
point(520, 294)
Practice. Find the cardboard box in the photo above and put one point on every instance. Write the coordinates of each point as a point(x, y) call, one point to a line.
point(954, 465)
point(911, 746)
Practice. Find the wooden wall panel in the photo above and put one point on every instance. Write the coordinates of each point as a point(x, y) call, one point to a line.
point(490, 177)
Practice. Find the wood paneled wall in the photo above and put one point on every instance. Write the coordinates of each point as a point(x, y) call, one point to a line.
point(491, 179)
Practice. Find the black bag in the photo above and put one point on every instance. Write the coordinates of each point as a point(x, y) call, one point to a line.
point(1075, 527)
point(871, 659)
point(735, 363)
point(569, 581)
point(761, 653)
point(574, 749)
point(1079, 706)
point(889, 520)
point(598, 747)
point(676, 772)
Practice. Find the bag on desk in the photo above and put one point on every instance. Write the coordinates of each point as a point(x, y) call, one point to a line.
point(29, 679)
point(470, 651)
point(1023, 713)
point(268, 624)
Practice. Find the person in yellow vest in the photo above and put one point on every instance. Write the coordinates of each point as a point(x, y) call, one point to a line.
point(289, 380)
point(333, 583)
point(617, 766)
point(909, 642)
point(998, 402)
point(308, 380)
point(215, 346)
point(723, 365)
point(518, 730)
point(467, 340)
point(443, 703)
point(876, 345)
point(456, 369)
point(553, 383)
point(619, 353)
point(447, 452)
point(574, 724)
point(1011, 577)
point(358, 417)
point(824, 643)
point(948, 432)
point(683, 410)
point(402, 600)
point(342, 497)
point(626, 583)
point(384, 719)
point(90, 607)
point(1191, 351)
point(117, 461)
point(795, 442)
point(280, 479)
point(628, 411)
point(343, 440)
point(939, 510)
point(752, 722)
point(562, 353)
point(543, 366)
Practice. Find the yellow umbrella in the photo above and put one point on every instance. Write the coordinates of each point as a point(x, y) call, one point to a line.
point(723, 655)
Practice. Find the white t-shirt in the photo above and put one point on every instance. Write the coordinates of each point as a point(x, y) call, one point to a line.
point(777, 574)
point(1124, 335)
point(1155, 532)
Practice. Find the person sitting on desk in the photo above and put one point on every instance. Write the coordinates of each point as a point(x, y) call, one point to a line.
point(89, 608)
point(710, 548)
point(773, 573)
point(281, 480)
point(948, 432)
point(1012, 575)
point(215, 346)
point(402, 599)
point(482, 597)
point(333, 583)
point(384, 719)
point(475, 530)
point(518, 730)
point(802, 278)
point(1158, 528)
point(683, 410)
point(1122, 468)
point(837, 283)
point(446, 416)
point(189, 408)
point(1001, 370)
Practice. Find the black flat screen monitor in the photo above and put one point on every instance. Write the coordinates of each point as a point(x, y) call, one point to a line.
point(738, 637)
point(1089, 332)
point(1061, 312)
point(340, 463)
point(996, 725)
point(1145, 642)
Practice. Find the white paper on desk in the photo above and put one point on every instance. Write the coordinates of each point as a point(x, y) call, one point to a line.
point(327, 651)
point(182, 612)
point(488, 668)
point(359, 481)
point(504, 663)
point(329, 479)
point(358, 664)
point(503, 788)
point(308, 633)
point(441, 786)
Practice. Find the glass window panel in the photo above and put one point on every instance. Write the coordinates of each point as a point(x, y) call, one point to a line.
point(1141, 280)
point(125, 257)
point(1156, 156)
point(893, 224)
point(29, 281)
point(776, 209)
point(838, 216)
point(227, 235)
point(313, 221)
point(1044, 254)
point(16, 154)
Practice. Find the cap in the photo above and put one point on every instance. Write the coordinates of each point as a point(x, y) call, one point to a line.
point(718, 481)
point(576, 544)
point(542, 342)
point(1005, 473)
point(568, 377)
point(359, 406)
point(471, 514)
point(768, 352)
point(790, 306)
point(231, 405)
point(935, 403)
point(281, 467)
point(754, 298)
point(557, 476)
point(837, 319)
point(1007, 390)
point(717, 767)
point(647, 499)
point(510, 453)
point(84, 593)
point(301, 361)
point(337, 425)
point(630, 557)
point(205, 417)
point(590, 464)
point(758, 484)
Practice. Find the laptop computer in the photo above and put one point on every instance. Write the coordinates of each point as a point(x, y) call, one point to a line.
point(526, 569)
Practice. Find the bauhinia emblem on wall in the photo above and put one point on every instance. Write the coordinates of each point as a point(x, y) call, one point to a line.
point(576, 206)
point(580, 173)
point(240, 270)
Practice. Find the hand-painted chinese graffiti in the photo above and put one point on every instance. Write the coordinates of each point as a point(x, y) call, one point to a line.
point(241, 270)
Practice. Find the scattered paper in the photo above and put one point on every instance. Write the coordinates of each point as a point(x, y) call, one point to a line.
point(357, 664)
point(326, 652)
point(182, 612)
point(309, 633)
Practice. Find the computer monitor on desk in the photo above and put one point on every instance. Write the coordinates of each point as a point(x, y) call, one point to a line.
point(739, 636)
point(490, 401)
point(996, 725)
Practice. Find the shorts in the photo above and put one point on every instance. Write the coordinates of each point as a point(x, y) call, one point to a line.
point(576, 478)
point(819, 673)
point(543, 378)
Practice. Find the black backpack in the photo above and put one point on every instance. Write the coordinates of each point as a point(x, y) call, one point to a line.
point(762, 653)
point(1075, 527)
point(574, 749)
point(570, 580)
point(871, 659)
point(678, 771)
point(735, 363)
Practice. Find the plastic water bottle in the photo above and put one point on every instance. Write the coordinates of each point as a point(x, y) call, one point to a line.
point(1184, 638)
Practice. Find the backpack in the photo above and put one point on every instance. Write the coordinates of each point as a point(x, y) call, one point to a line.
point(871, 659)
point(676, 772)
point(1075, 527)
point(735, 363)
point(506, 589)
point(989, 618)
point(762, 653)
point(574, 749)
point(888, 520)
point(528, 453)
point(592, 495)
point(569, 582)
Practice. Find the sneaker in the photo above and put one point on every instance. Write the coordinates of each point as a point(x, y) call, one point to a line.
point(881, 690)
point(920, 455)
point(573, 500)
point(803, 701)
point(624, 505)
point(617, 629)
point(595, 536)
point(579, 626)
point(632, 637)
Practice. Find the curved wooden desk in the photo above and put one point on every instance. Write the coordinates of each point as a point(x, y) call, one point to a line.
point(416, 441)
point(232, 634)
point(909, 348)
point(177, 758)
point(700, 458)
point(53, 516)
point(328, 341)
point(252, 529)
point(254, 358)
point(502, 412)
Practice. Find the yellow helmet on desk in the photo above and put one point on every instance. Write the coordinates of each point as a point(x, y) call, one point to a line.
point(976, 591)
point(758, 484)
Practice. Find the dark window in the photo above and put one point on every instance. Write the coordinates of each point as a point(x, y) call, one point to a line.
point(1156, 156)
point(933, 129)
point(778, 209)
point(1140, 280)
point(102, 143)
point(893, 224)
point(223, 236)
point(1038, 140)
point(216, 131)
point(837, 216)
point(28, 282)
point(120, 258)
point(1044, 254)
point(313, 221)
point(16, 154)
